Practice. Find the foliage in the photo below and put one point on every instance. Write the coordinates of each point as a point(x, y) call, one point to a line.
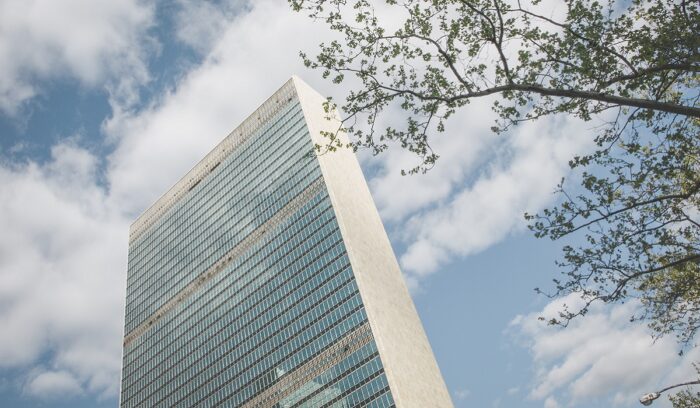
point(686, 398)
point(630, 66)
point(638, 210)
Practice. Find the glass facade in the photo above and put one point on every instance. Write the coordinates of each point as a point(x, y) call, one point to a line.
point(241, 293)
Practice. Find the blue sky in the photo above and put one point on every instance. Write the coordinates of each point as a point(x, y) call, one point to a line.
point(104, 105)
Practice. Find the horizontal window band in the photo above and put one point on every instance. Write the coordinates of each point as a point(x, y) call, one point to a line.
point(238, 250)
point(345, 310)
point(171, 223)
point(374, 376)
point(161, 370)
point(136, 311)
point(270, 108)
point(247, 286)
point(245, 281)
point(236, 350)
point(294, 380)
point(360, 365)
point(137, 290)
point(335, 323)
point(242, 353)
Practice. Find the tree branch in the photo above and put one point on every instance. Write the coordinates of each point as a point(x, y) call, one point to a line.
point(651, 70)
point(636, 205)
point(568, 28)
point(668, 107)
point(621, 284)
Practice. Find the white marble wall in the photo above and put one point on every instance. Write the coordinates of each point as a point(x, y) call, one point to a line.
point(413, 375)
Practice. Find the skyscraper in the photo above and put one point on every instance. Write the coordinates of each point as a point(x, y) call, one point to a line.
point(264, 278)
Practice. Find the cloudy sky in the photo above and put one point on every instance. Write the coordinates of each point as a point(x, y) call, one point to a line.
point(104, 104)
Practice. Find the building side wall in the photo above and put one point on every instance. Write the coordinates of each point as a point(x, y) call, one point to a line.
point(412, 372)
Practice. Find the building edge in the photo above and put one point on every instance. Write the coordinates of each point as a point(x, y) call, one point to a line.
point(412, 372)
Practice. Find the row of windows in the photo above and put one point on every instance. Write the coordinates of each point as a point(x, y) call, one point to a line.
point(357, 390)
point(236, 159)
point(248, 129)
point(234, 183)
point(327, 332)
point(224, 377)
point(242, 331)
point(202, 208)
point(353, 350)
point(236, 333)
point(382, 400)
point(182, 281)
point(327, 380)
point(147, 308)
point(291, 254)
point(230, 227)
point(196, 213)
point(365, 394)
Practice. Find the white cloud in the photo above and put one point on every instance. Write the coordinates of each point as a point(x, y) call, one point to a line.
point(199, 24)
point(63, 248)
point(462, 394)
point(62, 262)
point(52, 384)
point(521, 175)
point(551, 403)
point(247, 64)
point(95, 42)
point(62, 271)
point(599, 357)
point(461, 150)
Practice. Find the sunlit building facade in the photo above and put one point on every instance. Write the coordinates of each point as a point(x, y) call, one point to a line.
point(264, 278)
